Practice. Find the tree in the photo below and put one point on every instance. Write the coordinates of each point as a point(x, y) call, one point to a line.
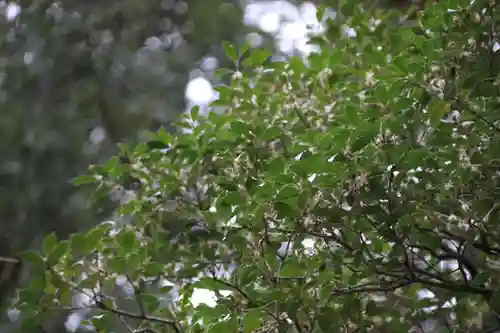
point(327, 197)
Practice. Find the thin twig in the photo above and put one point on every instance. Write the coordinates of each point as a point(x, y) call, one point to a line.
point(101, 305)
point(120, 312)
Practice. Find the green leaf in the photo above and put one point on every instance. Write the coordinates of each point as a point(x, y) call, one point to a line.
point(154, 269)
point(320, 12)
point(364, 138)
point(230, 51)
point(225, 96)
point(473, 80)
point(284, 210)
point(228, 325)
point(272, 133)
point(78, 243)
point(297, 65)
point(309, 164)
point(288, 191)
point(292, 269)
point(252, 320)
point(414, 289)
point(328, 319)
point(134, 263)
point(49, 243)
point(240, 127)
point(102, 322)
point(319, 41)
point(30, 322)
point(256, 58)
point(437, 109)
point(401, 63)
point(58, 252)
point(117, 265)
point(33, 258)
point(127, 240)
point(93, 239)
point(151, 302)
point(222, 73)
point(234, 198)
point(96, 234)
point(166, 289)
point(209, 283)
point(65, 295)
point(157, 144)
point(184, 123)
point(195, 112)
point(83, 179)
point(243, 48)
point(246, 274)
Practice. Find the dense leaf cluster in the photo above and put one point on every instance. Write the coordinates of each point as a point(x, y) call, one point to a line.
point(327, 198)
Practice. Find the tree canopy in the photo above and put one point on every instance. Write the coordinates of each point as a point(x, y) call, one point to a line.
point(355, 191)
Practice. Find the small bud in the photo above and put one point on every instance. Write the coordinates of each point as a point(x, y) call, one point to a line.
point(237, 75)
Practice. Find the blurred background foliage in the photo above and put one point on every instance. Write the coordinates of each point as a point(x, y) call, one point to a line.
point(76, 78)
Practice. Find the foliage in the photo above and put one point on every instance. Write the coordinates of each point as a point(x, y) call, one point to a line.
point(382, 151)
point(77, 78)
